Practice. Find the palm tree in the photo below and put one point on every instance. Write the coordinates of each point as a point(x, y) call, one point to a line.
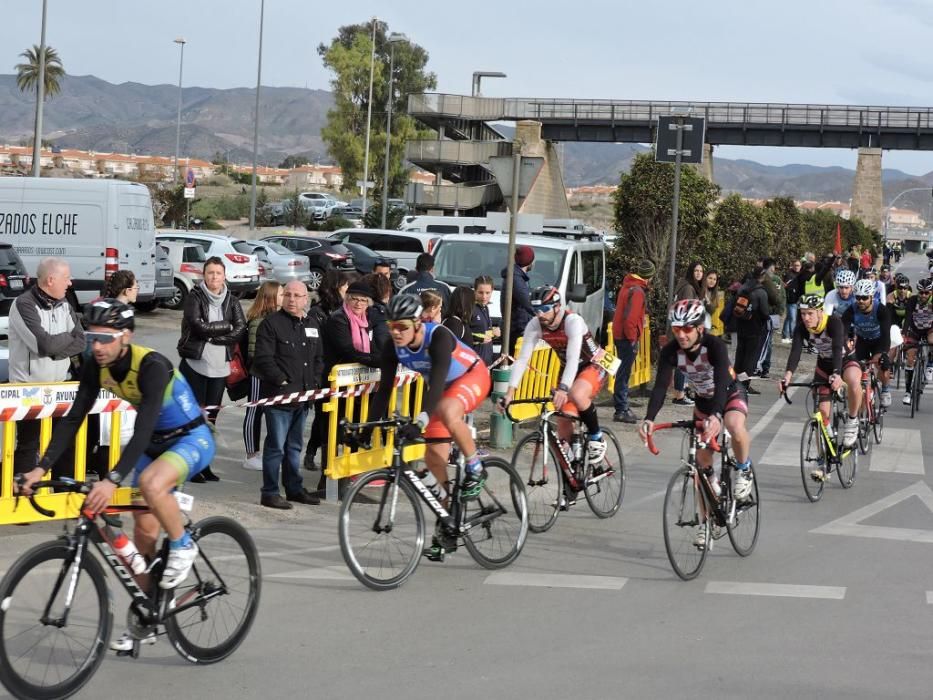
point(27, 74)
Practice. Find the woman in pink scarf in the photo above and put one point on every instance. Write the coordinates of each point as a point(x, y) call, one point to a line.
point(347, 332)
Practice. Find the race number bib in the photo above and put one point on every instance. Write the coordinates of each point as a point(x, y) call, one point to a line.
point(607, 361)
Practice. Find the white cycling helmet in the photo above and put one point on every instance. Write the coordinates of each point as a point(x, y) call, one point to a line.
point(687, 312)
point(845, 278)
point(865, 288)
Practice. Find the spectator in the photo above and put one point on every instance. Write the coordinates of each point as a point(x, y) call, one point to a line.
point(348, 337)
point(424, 280)
point(715, 302)
point(691, 287)
point(44, 334)
point(628, 323)
point(777, 304)
point(481, 328)
point(381, 289)
point(521, 312)
point(383, 267)
point(866, 262)
point(751, 312)
point(212, 324)
point(289, 358)
point(792, 291)
point(268, 300)
point(854, 259)
point(431, 306)
point(458, 317)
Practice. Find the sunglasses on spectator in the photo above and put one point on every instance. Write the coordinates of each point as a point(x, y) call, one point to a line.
point(102, 338)
point(544, 308)
point(401, 326)
point(862, 297)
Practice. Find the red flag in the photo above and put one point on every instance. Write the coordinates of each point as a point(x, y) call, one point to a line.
point(837, 249)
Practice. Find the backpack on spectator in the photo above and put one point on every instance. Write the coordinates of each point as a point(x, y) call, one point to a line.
point(742, 306)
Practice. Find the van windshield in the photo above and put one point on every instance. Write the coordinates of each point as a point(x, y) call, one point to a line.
point(461, 262)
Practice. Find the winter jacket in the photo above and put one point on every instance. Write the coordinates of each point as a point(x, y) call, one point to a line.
point(197, 331)
point(628, 321)
point(425, 282)
point(758, 310)
point(44, 333)
point(522, 311)
point(338, 343)
point(774, 288)
point(480, 323)
point(289, 356)
point(793, 288)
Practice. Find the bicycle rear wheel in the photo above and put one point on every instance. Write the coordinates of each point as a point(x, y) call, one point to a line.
point(38, 658)
point(498, 517)
point(743, 528)
point(541, 474)
point(604, 485)
point(916, 385)
point(878, 425)
point(381, 530)
point(864, 426)
point(848, 465)
point(812, 459)
point(222, 591)
point(686, 547)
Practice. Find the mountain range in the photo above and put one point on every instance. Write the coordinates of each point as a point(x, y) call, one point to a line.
point(92, 114)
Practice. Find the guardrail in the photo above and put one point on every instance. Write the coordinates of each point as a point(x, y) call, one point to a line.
point(19, 402)
point(455, 196)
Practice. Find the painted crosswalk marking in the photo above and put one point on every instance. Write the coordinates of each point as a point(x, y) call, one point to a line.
point(324, 573)
point(514, 578)
point(903, 452)
point(850, 524)
point(776, 590)
point(784, 448)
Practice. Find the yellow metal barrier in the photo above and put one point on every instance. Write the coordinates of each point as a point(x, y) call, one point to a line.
point(405, 398)
point(17, 399)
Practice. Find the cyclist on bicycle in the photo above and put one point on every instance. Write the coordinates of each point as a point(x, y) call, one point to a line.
point(567, 334)
point(897, 299)
point(171, 441)
point(721, 400)
point(870, 324)
point(840, 298)
point(918, 323)
point(833, 363)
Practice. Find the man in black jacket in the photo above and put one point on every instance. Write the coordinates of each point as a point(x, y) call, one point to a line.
point(522, 311)
point(288, 358)
point(424, 280)
point(750, 325)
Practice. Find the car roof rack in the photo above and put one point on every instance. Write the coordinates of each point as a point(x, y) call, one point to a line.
point(570, 234)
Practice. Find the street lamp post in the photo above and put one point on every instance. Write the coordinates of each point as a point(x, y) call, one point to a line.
point(369, 115)
point(887, 209)
point(479, 75)
point(181, 64)
point(252, 198)
point(394, 38)
point(40, 98)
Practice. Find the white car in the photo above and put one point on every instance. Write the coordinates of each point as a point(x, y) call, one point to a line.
point(241, 264)
point(188, 263)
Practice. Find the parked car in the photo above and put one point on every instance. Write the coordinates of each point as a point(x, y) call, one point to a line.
point(280, 264)
point(404, 246)
point(165, 282)
point(14, 278)
point(188, 262)
point(365, 258)
point(322, 254)
point(328, 202)
point(241, 263)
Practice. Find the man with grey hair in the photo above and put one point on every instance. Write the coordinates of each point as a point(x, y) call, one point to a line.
point(44, 335)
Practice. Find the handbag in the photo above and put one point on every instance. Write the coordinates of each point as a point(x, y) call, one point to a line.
point(238, 371)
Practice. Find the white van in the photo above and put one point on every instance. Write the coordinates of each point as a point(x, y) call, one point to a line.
point(98, 226)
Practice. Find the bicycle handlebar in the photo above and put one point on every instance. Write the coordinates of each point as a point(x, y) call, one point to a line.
point(809, 385)
point(356, 435)
point(684, 424)
point(540, 402)
point(62, 483)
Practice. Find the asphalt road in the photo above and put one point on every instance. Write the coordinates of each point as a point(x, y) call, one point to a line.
point(835, 602)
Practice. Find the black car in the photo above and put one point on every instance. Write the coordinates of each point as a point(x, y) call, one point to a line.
point(322, 253)
point(13, 277)
point(365, 258)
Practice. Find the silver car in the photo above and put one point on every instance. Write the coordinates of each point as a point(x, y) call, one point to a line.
point(280, 264)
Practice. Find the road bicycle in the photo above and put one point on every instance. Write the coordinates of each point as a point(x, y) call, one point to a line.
point(695, 514)
point(554, 471)
point(382, 528)
point(919, 375)
point(56, 612)
point(821, 449)
point(871, 412)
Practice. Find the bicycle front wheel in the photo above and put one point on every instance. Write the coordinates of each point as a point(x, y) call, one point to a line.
point(214, 608)
point(878, 425)
point(813, 464)
point(53, 654)
point(381, 530)
point(497, 518)
point(604, 485)
point(686, 534)
point(848, 465)
point(541, 473)
point(745, 522)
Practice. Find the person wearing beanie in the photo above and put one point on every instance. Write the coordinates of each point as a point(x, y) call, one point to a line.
point(522, 312)
point(628, 323)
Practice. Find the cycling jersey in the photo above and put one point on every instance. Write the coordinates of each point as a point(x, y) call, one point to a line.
point(462, 357)
point(918, 316)
point(571, 340)
point(707, 368)
point(828, 340)
point(872, 331)
point(898, 305)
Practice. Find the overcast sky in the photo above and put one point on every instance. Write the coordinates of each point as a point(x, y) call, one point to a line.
point(814, 51)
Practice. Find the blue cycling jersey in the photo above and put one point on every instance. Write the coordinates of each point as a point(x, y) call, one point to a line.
point(419, 360)
point(866, 326)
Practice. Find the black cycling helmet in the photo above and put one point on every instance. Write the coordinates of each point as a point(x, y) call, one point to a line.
point(110, 313)
point(925, 285)
point(404, 306)
point(545, 294)
point(810, 301)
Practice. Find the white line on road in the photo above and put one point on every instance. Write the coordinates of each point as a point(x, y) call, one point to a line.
point(903, 452)
point(323, 573)
point(929, 597)
point(849, 524)
point(508, 578)
point(769, 416)
point(784, 449)
point(778, 590)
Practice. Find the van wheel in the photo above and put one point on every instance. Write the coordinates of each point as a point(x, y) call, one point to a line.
point(316, 279)
point(178, 298)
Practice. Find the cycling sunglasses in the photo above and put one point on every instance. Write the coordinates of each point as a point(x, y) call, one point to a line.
point(544, 308)
point(102, 338)
point(401, 326)
point(862, 297)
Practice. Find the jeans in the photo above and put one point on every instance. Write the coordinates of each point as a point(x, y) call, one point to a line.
point(626, 350)
point(282, 449)
point(790, 321)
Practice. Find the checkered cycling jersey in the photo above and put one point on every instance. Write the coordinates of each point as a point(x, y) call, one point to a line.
point(699, 371)
point(919, 316)
point(707, 368)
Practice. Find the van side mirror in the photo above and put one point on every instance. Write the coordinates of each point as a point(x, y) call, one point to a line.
point(577, 293)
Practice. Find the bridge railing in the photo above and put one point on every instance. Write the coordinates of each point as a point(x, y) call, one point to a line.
point(467, 152)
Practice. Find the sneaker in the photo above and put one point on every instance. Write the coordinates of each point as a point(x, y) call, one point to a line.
point(253, 463)
point(125, 643)
point(819, 475)
point(928, 374)
point(178, 566)
point(595, 450)
point(850, 432)
point(442, 543)
point(752, 390)
point(700, 540)
point(565, 502)
point(472, 484)
point(885, 399)
point(764, 374)
point(685, 401)
point(742, 488)
point(625, 416)
point(906, 399)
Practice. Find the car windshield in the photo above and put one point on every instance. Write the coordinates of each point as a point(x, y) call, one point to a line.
point(461, 262)
point(276, 248)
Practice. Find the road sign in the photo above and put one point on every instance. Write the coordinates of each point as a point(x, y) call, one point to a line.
point(189, 179)
point(694, 132)
point(501, 167)
point(189, 193)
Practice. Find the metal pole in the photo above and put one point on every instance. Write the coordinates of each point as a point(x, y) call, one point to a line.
point(677, 158)
point(181, 66)
point(369, 116)
point(510, 267)
point(385, 176)
point(40, 98)
point(252, 199)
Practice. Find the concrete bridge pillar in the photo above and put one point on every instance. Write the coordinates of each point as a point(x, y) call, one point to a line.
point(867, 201)
point(706, 167)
